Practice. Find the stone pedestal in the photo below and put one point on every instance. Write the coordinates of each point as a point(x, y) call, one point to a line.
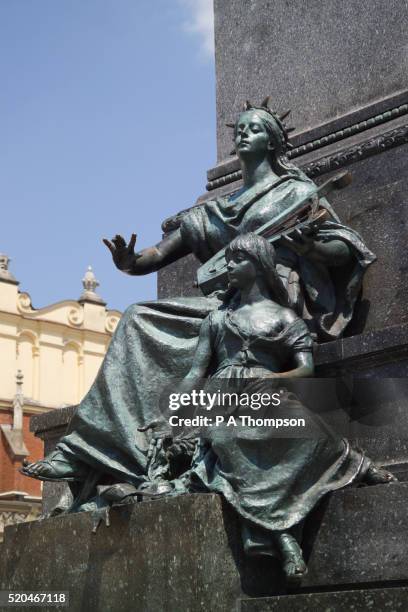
point(172, 555)
point(50, 427)
point(391, 599)
point(185, 554)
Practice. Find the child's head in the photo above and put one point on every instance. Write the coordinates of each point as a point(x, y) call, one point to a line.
point(255, 255)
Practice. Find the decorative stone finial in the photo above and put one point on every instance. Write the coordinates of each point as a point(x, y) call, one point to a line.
point(19, 384)
point(18, 402)
point(5, 274)
point(90, 283)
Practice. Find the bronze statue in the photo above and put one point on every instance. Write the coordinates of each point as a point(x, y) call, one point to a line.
point(272, 480)
point(321, 266)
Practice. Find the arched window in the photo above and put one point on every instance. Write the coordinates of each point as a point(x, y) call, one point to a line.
point(71, 358)
point(27, 353)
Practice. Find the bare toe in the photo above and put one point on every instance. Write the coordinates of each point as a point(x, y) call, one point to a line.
point(378, 475)
point(56, 466)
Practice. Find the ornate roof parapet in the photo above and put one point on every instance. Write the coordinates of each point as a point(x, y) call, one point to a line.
point(88, 312)
point(90, 283)
point(5, 275)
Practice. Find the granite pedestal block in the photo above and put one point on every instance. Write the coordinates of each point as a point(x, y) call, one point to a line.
point(175, 554)
point(50, 427)
point(380, 599)
point(358, 536)
point(186, 554)
point(321, 58)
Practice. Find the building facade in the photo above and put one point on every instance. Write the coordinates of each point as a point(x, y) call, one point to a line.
point(49, 358)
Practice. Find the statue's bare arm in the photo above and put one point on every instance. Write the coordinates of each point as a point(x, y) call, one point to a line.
point(304, 367)
point(203, 354)
point(168, 250)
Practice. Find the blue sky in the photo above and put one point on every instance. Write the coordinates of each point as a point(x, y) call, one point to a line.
point(107, 126)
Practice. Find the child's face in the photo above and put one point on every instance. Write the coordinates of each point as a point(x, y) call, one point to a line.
point(242, 272)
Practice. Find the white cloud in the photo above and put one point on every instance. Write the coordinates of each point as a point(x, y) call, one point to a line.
point(201, 23)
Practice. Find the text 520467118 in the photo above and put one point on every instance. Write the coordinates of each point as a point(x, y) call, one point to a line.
point(33, 598)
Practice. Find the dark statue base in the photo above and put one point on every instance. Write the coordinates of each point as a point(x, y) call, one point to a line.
point(185, 554)
point(392, 599)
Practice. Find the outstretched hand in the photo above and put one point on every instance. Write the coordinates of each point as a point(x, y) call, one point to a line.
point(123, 254)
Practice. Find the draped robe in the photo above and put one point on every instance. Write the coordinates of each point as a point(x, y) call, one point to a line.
point(272, 479)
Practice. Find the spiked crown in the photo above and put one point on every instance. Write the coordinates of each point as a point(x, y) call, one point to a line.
point(278, 118)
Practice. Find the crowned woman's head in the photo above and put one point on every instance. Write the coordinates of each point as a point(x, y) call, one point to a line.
point(261, 253)
point(260, 131)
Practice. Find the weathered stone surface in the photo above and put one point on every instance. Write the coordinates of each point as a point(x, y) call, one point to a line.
point(391, 599)
point(375, 205)
point(378, 362)
point(358, 536)
point(52, 421)
point(178, 279)
point(177, 554)
point(186, 553)
point(50, 427)
point(322, 59)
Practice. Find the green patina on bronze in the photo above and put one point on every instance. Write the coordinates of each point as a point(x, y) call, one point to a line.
point(320, 268)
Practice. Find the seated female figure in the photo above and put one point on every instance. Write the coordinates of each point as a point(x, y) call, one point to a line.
point(272, 482)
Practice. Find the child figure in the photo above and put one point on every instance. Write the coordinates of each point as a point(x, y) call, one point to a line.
point(272, 482)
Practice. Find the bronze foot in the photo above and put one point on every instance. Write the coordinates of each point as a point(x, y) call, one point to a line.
point(378, 475)
point(55, 467)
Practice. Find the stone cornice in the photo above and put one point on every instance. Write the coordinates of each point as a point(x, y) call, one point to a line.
point(344, 127)
point(356, 353)
point(347, 155)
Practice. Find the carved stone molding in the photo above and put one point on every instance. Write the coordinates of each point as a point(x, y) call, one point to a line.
point(24, 303)
point(346, 156)
point(111, 323)
point(357, 128)
point(76, 316)
point(349, 155)
point(224, 180)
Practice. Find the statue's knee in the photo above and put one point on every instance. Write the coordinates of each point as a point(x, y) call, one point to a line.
point(131, 311)
point(130, 318)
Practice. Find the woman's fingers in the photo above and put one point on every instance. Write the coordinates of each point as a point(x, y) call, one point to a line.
point(132, 242)
point(109, 245)
point(119, 241)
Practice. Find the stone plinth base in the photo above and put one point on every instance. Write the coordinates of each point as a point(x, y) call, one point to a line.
point(185, 554)
point(392, 600)
point(172, 555)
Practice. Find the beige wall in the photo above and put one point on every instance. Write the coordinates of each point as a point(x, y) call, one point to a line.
point(59, 348)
